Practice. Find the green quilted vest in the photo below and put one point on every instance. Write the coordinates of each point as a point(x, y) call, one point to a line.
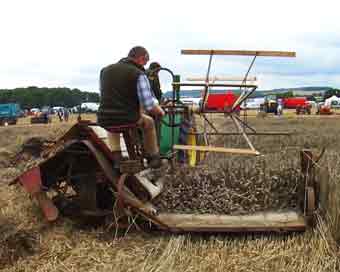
point(119, 103)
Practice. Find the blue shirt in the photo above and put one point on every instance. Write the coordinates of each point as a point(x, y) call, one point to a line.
point(146, 97)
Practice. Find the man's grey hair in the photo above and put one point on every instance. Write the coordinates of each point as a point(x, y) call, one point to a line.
point(137, 51)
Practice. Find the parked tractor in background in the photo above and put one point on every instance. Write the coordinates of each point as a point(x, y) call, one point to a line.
point(269, 106)
point(9, 114)
point(42, 117)
point(222, 102)
point(305, 108)
point(323, 109)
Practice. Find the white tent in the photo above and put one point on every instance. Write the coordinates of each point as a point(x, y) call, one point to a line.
point(90, 106)
point(333, 101)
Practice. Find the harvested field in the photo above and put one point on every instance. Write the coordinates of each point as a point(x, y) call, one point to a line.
point(63, 246)
point(15, 243)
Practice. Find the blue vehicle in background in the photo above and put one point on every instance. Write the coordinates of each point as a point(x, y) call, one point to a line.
point(9, 114)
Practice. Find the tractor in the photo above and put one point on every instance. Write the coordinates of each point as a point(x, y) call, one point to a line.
point(323, 109)
point(42, 117)
point(80, 175)
point(270, 105)
point(304, 109)
point(9, 114)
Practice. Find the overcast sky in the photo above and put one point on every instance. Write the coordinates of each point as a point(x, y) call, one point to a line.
point(66, 43)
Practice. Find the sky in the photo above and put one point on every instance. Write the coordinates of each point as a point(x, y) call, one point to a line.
point(65, 43)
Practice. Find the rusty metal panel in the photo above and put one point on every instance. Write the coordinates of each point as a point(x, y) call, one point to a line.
point(31, 180)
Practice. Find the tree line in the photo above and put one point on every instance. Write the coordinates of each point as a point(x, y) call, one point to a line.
point(32, 97)
point(330, 92)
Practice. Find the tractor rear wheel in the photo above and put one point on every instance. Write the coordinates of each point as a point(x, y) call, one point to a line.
point(81, 193)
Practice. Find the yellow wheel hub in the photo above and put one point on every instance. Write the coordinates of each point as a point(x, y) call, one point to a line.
point(192, 154)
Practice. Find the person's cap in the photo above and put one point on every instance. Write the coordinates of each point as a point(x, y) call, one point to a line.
point(154, 65)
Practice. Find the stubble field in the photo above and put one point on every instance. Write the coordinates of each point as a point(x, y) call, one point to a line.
point(29, 243)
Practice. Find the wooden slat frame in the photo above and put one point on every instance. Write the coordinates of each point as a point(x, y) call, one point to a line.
point(269, 133)
point(262, 222)
point(259, 53)
point(191, 84)
point(217, 149)
point(251, 79)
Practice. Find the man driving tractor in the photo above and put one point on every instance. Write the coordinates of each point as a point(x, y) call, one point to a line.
point(127, 98)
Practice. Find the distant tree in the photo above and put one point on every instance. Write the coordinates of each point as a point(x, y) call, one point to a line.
point(286, 94)
point(32, 96)
point(329, 93)
point(311, 98)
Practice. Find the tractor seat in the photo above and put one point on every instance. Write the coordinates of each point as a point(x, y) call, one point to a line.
point(131, 138)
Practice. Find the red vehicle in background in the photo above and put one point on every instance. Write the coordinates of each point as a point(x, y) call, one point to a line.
point(221, 101)
point(294, 102)
point(300, 104)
